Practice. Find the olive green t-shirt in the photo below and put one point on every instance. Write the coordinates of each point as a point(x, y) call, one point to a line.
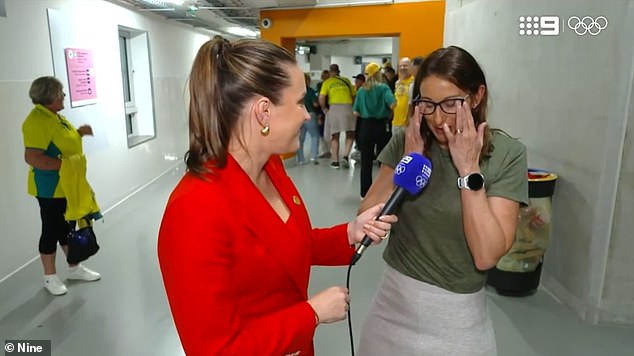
point(428, 241)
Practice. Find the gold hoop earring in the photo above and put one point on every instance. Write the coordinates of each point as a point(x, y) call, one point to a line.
point(266, 130)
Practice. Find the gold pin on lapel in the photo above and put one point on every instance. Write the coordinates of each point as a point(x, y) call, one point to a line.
point(296, 200)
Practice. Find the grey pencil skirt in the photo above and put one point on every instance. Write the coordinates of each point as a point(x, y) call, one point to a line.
point(410, 317)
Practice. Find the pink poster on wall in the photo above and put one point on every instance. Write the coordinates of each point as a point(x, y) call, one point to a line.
point(81, 76)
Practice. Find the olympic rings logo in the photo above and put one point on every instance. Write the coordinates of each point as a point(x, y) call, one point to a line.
point(421, 181)
point(400, 169)
point(587, 25)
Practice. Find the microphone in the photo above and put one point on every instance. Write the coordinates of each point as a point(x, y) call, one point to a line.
point(411, 175)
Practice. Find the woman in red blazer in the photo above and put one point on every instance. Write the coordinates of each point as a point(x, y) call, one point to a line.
point(236, 244)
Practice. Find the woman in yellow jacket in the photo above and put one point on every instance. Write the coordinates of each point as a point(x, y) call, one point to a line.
point(47, 137)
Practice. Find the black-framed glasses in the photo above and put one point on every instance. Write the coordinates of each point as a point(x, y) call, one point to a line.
point(448, 106)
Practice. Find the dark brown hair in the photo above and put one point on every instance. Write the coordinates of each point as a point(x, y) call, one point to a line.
point(457, 66)
point(418, 60)
point(223, 78)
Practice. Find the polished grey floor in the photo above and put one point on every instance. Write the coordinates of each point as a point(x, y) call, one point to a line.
point(126, 313)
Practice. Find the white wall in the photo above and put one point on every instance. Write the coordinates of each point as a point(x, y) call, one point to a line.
point(568, 98)
point(303, 62)
point(342, 52)
point(356, 47)
point(114, 171)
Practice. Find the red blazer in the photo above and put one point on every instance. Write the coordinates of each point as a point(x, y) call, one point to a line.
point(235, 274)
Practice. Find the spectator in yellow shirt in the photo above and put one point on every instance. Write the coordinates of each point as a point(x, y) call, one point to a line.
point(340, 93)
point(401, 94)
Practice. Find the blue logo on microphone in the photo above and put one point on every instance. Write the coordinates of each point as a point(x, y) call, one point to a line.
point(412, 173)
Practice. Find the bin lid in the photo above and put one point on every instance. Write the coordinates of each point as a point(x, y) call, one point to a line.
point(536, 175)
point(541, 183)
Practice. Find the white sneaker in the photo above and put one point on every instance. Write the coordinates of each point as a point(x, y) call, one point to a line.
point(82, 273)
point(53, 285)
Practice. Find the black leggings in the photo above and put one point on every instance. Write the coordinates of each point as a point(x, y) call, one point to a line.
point(373, 136)
point(54, 227)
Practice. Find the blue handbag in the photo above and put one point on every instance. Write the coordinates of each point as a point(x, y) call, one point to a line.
point(82, 243)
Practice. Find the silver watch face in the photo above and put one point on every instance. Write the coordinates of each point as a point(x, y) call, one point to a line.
point(474, 181)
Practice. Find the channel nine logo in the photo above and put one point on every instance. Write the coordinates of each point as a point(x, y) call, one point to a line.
point(550, 25)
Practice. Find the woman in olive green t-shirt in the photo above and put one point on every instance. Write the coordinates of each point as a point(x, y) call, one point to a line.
point(431, 299)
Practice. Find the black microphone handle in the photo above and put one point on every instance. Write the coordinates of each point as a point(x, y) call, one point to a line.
point(390, 206)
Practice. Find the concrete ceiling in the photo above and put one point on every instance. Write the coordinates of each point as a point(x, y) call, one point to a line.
point(223, 16)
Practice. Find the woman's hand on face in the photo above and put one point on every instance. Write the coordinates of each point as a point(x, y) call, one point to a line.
point(331, 304)
point(466, 143)
point(413, 140)
point(365, 224)
point(85, 130)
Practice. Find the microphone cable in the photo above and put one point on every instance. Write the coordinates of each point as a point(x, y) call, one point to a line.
point(349, 308)
point(411, 176)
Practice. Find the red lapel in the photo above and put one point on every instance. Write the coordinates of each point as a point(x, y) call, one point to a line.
point(287, 243)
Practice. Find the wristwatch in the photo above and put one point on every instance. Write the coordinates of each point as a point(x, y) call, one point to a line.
point(472, 181)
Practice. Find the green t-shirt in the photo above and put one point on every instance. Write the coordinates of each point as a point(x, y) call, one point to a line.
point(56, 136)
point(309, 99)
point(374, 103)
point(428, 242)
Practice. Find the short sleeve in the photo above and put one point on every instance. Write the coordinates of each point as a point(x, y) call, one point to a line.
point(506, 176)
point(389, 96)
point(325, 87)
point(35, 135)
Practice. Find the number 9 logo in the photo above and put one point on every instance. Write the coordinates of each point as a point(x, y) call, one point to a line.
point(549, 25)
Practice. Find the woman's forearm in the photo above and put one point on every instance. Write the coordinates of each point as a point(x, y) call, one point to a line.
point(489, 226)
point(38, 159)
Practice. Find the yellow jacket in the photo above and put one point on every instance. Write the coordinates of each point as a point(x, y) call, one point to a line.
point(80, 199)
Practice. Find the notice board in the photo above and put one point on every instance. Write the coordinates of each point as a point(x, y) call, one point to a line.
point(81, 76)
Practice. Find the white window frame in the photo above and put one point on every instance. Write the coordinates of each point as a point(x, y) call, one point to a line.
point(138, 93)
